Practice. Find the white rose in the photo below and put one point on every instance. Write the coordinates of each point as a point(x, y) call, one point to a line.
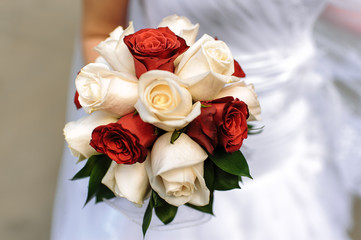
point(182, 27)
point(78, 133)
point(115, 52)
point(164, 101)
point(100, 88)
point(207, 66)
point(175, 171)
point(245, 93)
point(129, 181)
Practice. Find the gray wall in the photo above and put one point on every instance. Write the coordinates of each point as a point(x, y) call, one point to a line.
point(36, 45)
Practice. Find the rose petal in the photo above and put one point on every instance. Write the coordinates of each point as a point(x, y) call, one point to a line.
point(246, 94)
point(169, 160)
point(183, 152)
point(206, 66)
point(238, 71)
point(78, 133)
point(198, 64)
point(116, 52)
point(179, 182)
point(219, 57)
point(201, 196)
point(206, 86)
point(203, 129)
point(128, 181)
point(122, 95)
point(207, 54)
point(144, 131)
point(182, 27)
point(164, 101)
point(102, 89)
point(200, 67)
point(154, 49)
point(76, 100)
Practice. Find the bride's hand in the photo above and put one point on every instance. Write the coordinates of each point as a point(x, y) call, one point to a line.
point(99, 19)
point(344, 15)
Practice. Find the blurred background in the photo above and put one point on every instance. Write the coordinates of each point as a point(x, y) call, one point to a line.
point(36, 47)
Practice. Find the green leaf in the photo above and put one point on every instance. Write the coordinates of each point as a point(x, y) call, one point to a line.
point(233, 163)
point(147, 216)
point(87, 169)
point(96, 176)
point(176, 135)
point(103, 193)
point(252, 129)
point(209, 173)
point(205, 106)
point(217, 179)
point(157, 201)
point(156, 131)
point(224, 181)
point(164, 211)
point(207, 208)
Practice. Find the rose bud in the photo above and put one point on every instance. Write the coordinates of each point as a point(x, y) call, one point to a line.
point(207, 66)
point(115, 52)
point(231, 118)
point(176, 170)
point(154, 49)
point(125, 141)
point(101, 88)
point(129, 181)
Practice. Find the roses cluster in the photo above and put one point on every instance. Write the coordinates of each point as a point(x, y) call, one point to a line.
point(160, 103)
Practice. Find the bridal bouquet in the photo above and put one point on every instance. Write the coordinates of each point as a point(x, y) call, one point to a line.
point(167, 117)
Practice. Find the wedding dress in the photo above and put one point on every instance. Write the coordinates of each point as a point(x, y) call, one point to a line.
point(305, 164)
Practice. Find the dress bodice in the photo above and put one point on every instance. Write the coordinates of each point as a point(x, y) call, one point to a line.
point(247, 26)
point(264, 36)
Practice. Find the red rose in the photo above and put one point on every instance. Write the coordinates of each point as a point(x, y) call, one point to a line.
point(154, 49)
point(76, 100)
point(203, 129)
point(125, 141)
point(231, 119)
point(238, 71)
point(222, 122)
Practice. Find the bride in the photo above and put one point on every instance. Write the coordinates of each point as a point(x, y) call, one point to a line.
point(305, 165)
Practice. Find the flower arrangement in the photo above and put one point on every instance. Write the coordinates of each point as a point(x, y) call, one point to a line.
point(167, 118)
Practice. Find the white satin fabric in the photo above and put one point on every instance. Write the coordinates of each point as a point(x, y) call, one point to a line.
point(305, 164)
